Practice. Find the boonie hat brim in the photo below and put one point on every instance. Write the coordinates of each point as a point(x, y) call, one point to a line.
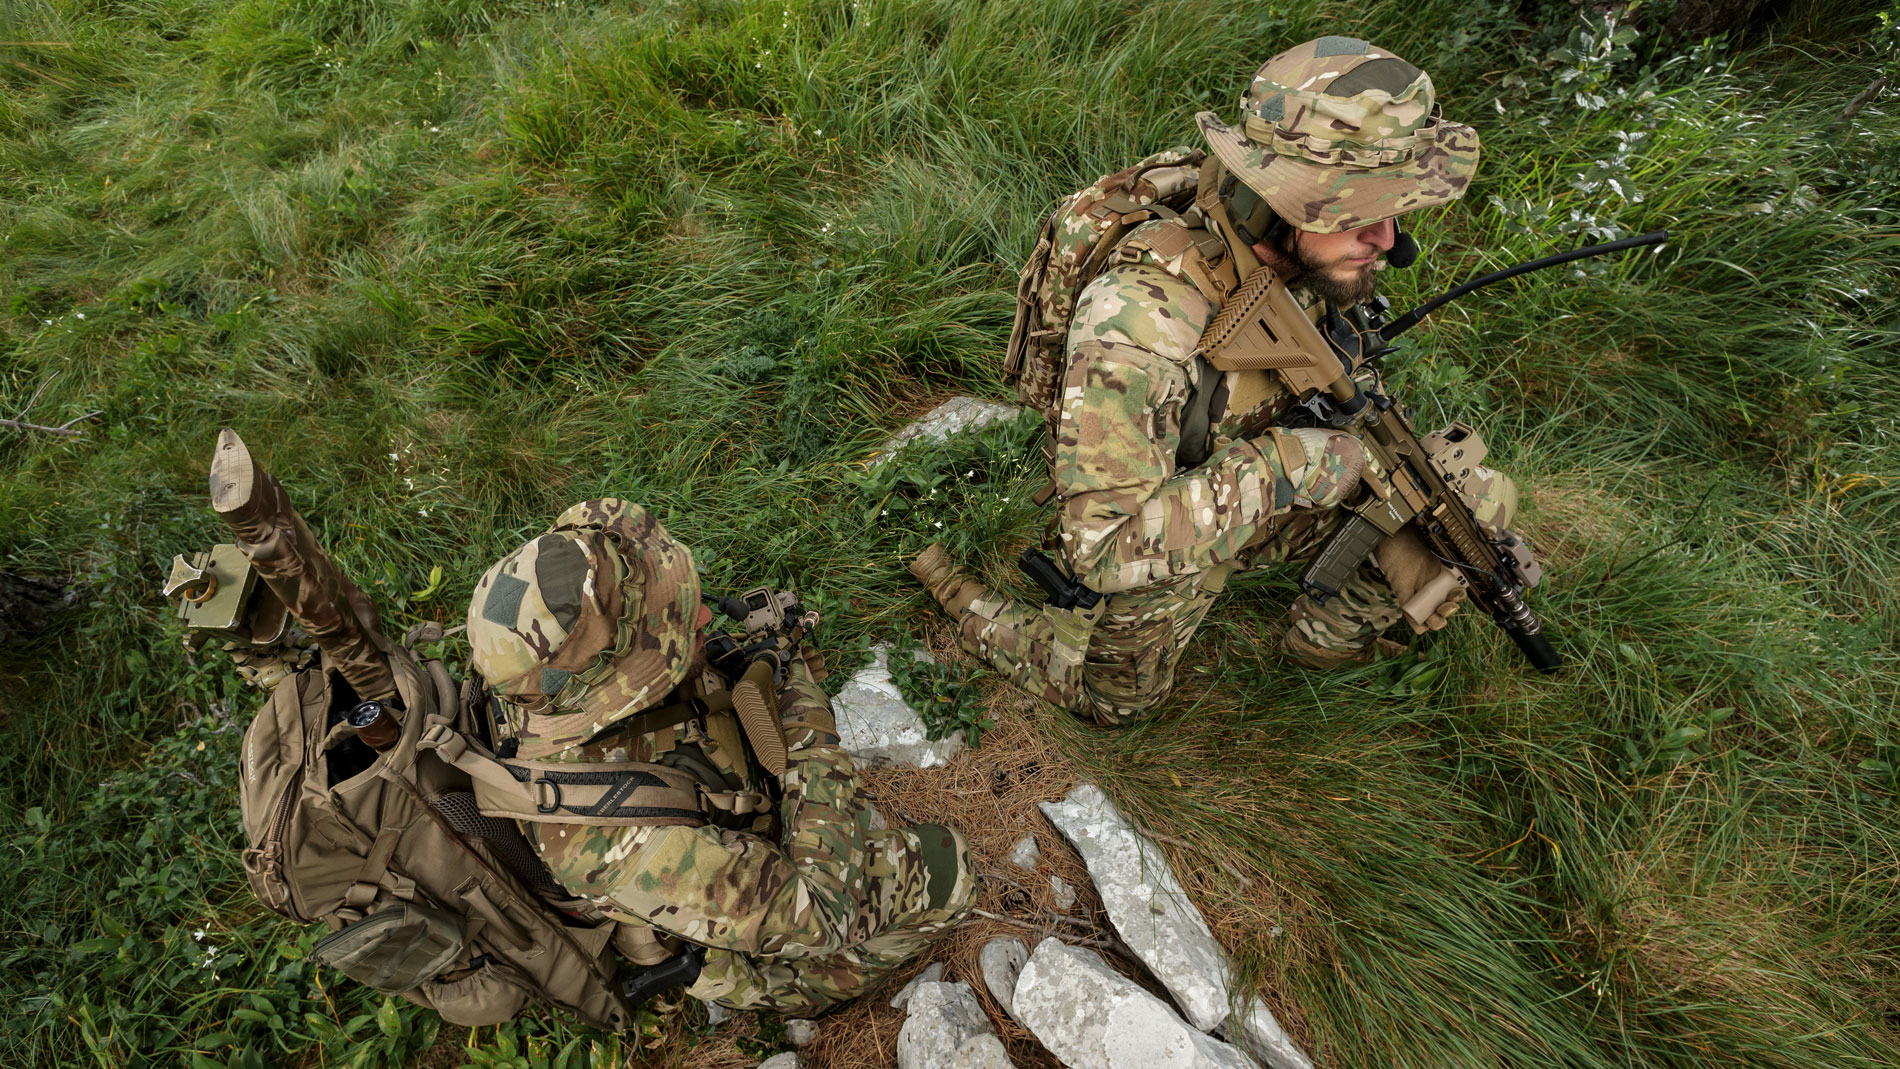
point(1326, 198)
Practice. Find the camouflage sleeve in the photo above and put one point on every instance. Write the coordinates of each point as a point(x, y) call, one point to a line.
point(795, 898)
point(1129, 518)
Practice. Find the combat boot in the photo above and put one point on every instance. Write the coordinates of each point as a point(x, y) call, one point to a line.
point(953, 588)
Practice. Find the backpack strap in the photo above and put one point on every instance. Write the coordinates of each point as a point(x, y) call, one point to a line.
point(600, 793)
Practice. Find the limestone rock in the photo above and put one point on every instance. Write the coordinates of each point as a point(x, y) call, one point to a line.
point(1091, 1017)
point(878, 729)
point(931, 974)
point(1064, 894)
point(783, 1060)
point(956, 414)
point(1152, 913)
point(947, 1029)
point(1026, 854)
point(1259, 1034)
point(1002, 963)
point(800, 1033)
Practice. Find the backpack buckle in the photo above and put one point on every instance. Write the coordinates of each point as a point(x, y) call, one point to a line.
point(547, 795)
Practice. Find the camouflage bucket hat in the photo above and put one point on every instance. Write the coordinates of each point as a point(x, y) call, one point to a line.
point(1337, 133)
point(593, 619)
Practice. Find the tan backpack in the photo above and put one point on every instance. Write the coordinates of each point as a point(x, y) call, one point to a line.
point(1078, 241)
point(426, 897)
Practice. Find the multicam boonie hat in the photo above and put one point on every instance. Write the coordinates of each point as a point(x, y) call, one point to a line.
point(593, 620)
point(1337, 133)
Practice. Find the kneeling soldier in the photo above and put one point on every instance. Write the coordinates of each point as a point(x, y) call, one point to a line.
point(649, 795)
point(1174, 463)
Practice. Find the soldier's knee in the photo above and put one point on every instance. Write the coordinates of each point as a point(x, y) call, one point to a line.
point(1112, 706)
point(950, 879)
point(1492, 496)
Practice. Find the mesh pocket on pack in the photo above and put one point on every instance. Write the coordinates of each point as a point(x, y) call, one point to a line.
point(396, 948)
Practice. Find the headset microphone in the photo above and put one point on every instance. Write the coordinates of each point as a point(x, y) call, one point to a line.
point(1404, 251)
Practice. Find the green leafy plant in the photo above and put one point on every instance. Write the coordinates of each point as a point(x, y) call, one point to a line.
point(943, 694)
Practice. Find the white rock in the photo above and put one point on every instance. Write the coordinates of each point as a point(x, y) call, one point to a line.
point(1091, 1017)
point(782, 1060)
point(956, 414)
point(947, 1029)
point(877, 729)
point(800, 1033)
point(1153, 915)
point(1026, 854)
point(717, 1014)
point(931, 974)
point(1065, 895)
point(1002, 963)
point(1259, 1034)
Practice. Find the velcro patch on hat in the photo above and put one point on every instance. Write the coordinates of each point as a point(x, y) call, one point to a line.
point(1339, 46)
point(553, 679)
point(503, 605)
point(560, 571)
point(1390, 76)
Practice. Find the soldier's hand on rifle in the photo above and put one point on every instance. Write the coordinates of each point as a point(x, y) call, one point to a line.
point(1427, 589)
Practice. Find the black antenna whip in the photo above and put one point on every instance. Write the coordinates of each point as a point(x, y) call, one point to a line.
point(1411, 319)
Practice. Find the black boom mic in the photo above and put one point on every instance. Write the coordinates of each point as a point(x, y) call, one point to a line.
point(1404, 251)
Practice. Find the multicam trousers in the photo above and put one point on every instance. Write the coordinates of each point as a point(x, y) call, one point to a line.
point(1137, 641)
point(906, 909)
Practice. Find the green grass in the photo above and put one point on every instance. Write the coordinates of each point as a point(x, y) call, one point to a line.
point(450, 266)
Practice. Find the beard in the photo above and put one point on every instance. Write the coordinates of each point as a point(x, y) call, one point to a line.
point(1333, 281)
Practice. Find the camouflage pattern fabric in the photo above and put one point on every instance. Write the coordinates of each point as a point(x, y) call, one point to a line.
point(800, 905)
point(793, 925)
point(1162, 541)
point(587, 624)
point(1338, 133)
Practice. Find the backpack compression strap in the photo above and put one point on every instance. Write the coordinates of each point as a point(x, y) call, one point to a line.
point(601, 793)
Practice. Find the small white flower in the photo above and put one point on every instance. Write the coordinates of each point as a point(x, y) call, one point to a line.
point(79, 315)
point(886, 512)
point(393, 456)
point(821, 131)
point(435, 129)
point(1006, 501)
point(939, 523)
point(49, 322)
point(199, 935)
point(422, 512)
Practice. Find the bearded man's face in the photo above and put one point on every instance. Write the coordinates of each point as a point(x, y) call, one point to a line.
point(1341, 267)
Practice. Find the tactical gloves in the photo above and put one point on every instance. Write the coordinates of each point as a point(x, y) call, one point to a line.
point(1427, 588)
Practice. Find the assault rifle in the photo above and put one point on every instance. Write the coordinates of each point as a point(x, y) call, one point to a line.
point(1262, 327)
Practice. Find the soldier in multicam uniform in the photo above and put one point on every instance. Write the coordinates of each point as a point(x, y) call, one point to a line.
point(1339, 138)
point(589, 637)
